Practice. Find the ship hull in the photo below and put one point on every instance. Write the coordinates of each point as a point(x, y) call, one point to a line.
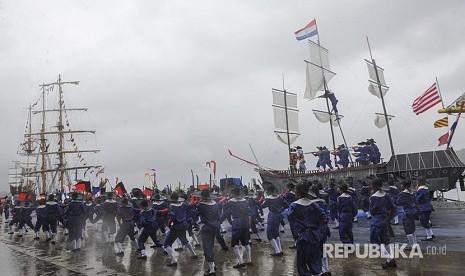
point(441, 169)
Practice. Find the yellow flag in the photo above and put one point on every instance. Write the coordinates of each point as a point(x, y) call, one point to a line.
point(444, 122)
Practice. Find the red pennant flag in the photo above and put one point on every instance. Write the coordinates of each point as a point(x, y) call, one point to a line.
point(83, 186)
point(443, 139)
point(119, 189)
point(22, 197)
point(148, 192)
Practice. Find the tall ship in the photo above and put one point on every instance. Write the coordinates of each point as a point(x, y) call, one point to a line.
point(441, 168)
point(57, 151)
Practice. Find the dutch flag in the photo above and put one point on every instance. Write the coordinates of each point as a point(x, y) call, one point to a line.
point(308, 31)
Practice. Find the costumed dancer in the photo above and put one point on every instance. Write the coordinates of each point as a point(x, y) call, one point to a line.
point(110, 207)
point(275, 206)
point(382, 209)
point(324, 229)
point(376, 155)
point(365, 193)
point(253, 215)
point(347, 211)
point(209, 213)
point(301, 159)
point(26, 218)
point(289, 197)
point(158, 204)
point(425, 208)
point(16, 217)
point(309, 218)
point(393, 194)
point(41, 214)
point(177, 216)
point(89, 207)
point(6, 210)
point(98, 211)
point(406, 199)
point(149, 226)
point(125, 218)
point(333, 194)
point(325, 159)
point(76, 213)
point(238, 208)
point(343, 154)
point(361, 152)
point(190, 219)
point(53, 211)
point(353, 193)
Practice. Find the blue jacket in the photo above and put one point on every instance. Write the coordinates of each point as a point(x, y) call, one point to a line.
point(275, 206)
point(239, 210)
point(422, 199)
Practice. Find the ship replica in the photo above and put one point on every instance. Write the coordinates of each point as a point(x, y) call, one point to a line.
point(441, 168)
point(53, 155)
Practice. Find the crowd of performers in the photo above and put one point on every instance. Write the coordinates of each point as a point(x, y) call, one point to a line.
point(179, 216)
point(365, 153)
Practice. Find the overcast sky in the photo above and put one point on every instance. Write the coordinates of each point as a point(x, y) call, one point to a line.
point(171, 85)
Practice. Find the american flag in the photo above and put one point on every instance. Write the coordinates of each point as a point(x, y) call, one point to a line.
point(426, 100)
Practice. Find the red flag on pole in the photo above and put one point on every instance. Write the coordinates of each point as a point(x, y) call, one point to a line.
point(147, 192)
point(426, 100)
point(443, 139)
point(120, 189)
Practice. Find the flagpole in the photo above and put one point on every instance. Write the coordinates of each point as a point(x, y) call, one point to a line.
point(439, 92)
point(456, 122)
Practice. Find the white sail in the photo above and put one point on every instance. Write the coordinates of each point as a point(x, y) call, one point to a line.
point(380, 120)
point(324, 117)
point(318, 71)
point(280, 119)
point(372, 73)
point(286, 116)
point(282, 137)
point(373, 88)
point(278, 99)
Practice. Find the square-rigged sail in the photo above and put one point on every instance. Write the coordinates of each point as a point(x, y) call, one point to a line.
point(286, 116)
point(318, 71)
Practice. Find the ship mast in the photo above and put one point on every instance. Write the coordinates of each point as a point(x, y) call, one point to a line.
point(382, 98)
point(43, 145)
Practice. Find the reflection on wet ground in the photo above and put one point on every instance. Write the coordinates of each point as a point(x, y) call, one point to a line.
point(29, 257)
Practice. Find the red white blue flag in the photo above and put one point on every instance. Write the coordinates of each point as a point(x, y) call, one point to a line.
point(308, 31)
point(426, 100)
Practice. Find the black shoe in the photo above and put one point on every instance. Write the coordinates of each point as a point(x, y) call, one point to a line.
point(326, 274)
point(194, 257)
point(53, 242)
point(368, 217)
point(179, 249)
point(249, 264)
point(36, 238)
point(433, 236)
point(277, 254)
point(239, 265)
point(10, 233)
point(282, 231)
point(259, 240)
point(142, 257)
point(197, 245)
point(293, 247)
point(391, 263)
point(156, 245)
point(172, 264)
point(120, 253)
point(336, 227)
point(427, 239)
point(224, 248)
point(164, 252)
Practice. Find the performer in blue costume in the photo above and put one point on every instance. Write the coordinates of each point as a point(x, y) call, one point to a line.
point(376, 155)
point(109, 207)
point(365, 192)
point(41, 220)
point(347, 211)
point(53, 211)
point(149, 226)
point(362, 153)
point(382, 209)
point(177, 217)
point(425, 208)
point(333, 195)
point(393, 194)
point(125, 218)
point(275, 206)
point(289, 197)
point(309, 219)
point(406, 199)
point(343, 154)
point(239, 210)
point(209, 213)
point(76, 213)
point(325, 159)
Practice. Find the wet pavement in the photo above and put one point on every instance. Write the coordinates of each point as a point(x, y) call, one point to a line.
point(28, 257)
